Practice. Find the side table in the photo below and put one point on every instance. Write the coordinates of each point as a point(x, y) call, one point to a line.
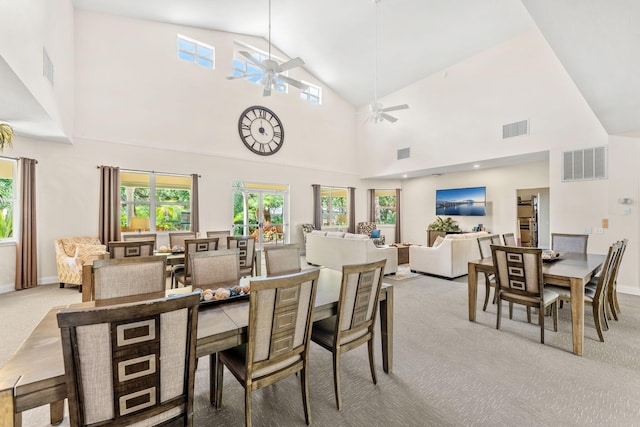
point(403, 252)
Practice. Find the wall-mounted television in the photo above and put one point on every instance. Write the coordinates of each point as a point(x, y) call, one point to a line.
point(462, 201)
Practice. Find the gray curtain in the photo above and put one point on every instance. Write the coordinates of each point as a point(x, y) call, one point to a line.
point(26, 248)
point(317, 207)
point(352, 210)
point(398, 216)
point(195, 204)
point(109, 214)
point(372, 205)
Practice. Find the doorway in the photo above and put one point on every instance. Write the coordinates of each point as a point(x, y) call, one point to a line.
point(533, 217)
point(261, 211)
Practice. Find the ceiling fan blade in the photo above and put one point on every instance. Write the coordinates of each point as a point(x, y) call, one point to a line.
point(388, 117)
point(293, 82)
point(243, 76)
point(292, 63)
point(251, 59)
point(396, 108)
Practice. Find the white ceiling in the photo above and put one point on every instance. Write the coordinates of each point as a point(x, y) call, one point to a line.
point(596, 41)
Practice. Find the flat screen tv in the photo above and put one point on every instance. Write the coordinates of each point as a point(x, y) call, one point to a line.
point(462, 201)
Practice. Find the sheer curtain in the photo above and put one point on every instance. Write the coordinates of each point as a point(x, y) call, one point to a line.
point(195, 204)
point(317, 207)
point(352, 210)
point(26, 248)
point(109, 215)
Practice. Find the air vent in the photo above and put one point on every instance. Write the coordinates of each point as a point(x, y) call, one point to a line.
point(579, 165)
point(47, 66)
point(515, 129)
point(404, 153)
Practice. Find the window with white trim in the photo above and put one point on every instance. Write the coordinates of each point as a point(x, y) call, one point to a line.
point(312, 94)
point(335, 206)
point(385, 206)
point(8, 199)
point(154, 201)
point(197, 52)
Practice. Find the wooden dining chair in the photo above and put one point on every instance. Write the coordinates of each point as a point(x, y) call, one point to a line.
point(222, 237)
point(181, 273)
point(120, 277)
point(141, 236)
point(596, 297)
point(282, 259)
point(519, 280)
point(353, 325)
point(612, 290)
point(509, 239)
point(484, 245)
point(214, 269)
point(561, 242)
point(131, 248)
point(280, 317)
point(178, 238)
point(131, 363)
point(247, 247)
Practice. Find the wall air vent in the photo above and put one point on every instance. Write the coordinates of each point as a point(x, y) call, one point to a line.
point(47, 66)
point(579, 165)
point(515, 129)
point(404, 153)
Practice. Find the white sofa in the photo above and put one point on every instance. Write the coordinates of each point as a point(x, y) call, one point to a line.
point(334, 249)
point(449, 258)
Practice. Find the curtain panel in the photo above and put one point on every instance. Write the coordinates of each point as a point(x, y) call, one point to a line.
point(317, 207)
point(26, 247)
point(109, 213)
point(195, 204)
point(372, 205)
point(352, 210)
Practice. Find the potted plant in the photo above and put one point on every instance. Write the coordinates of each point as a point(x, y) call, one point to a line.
point(446, 224)
point(6, 136)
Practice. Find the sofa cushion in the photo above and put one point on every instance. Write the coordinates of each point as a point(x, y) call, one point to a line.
point(375, 234)
point(335, 233)
point(355, 236)
point(319, 232)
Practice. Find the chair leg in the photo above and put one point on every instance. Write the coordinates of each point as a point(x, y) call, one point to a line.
point(540, 321)
point(336, 379)
point(528, 314)
point(247, 406)
point(615, 298)
point(554, 310)
point(306, 404)
point(219, 381)
point(596, 320)
point(499, 313)
point(61, 285)
point(371, 361)
point(213, 379)
point(487, 286)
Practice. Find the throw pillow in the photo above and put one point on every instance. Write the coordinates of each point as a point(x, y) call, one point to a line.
point(438, 241)
point(375, 234)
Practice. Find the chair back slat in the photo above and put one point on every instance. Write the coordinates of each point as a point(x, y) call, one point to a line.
point(282, 259)
point(518, 270)
point(134, 248)
point(141, 236)
point(121, 277)
point(561, 242)
point(246, 245)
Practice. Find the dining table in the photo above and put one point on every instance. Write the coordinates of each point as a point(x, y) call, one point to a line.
point(34, 376)
point(570, 269)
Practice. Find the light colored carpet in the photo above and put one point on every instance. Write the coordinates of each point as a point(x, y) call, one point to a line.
point(447, 370)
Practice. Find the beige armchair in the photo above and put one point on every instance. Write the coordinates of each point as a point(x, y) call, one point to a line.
point(74, 252)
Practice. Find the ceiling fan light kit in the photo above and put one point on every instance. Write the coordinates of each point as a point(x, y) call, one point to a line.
point(271, 71)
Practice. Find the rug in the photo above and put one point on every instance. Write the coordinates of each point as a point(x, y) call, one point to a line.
point(403, 273)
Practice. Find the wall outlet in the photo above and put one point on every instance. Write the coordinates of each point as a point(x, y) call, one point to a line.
point(598, 230)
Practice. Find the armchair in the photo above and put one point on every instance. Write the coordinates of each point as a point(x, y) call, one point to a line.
point(369, 228)
point(74, 252)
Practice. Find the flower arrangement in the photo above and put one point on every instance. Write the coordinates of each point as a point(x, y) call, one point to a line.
point(446, 224)
point(6, 136)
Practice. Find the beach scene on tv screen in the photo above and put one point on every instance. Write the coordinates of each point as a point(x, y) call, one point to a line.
point(461, 201)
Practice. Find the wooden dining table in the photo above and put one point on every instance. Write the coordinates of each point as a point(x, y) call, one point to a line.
point(34, 376)
point(571, 270)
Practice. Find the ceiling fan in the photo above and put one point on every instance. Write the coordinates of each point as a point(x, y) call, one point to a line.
point(377, 112)
point(270, 70)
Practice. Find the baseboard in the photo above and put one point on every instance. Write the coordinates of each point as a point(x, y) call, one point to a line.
point(10, 287)
point(628, 290)
point(7, 288)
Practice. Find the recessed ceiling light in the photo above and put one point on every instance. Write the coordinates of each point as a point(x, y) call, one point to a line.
point(476, 166)
point(405, 176)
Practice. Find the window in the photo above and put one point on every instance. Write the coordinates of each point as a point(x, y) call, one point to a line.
point(154, 201)
point(385, 206)
point(8, 211)
point(260, 211)
point(242, 67)
point(312, 94)
point(335, 206)
point(196, 52)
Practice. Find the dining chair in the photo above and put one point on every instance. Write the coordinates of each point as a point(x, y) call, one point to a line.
point(280, 317)
point(484, 244)
point(353, 325)
point(141, 236)
point(495, 239)
point(247, 246)
point(561, 242)
point(509, 239)
point(612, 290)
point(178, 238)
point(131, 248)
point(282, 259)
point(131, 363)
point(596, 296)
point(214, 269)
point(519, 280)
point(222, 236)
point(120, 277)
point(181, 273)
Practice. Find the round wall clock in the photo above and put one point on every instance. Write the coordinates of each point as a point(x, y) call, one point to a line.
point(261, 130)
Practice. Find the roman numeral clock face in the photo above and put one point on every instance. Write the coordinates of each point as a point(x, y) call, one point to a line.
point(261, 130)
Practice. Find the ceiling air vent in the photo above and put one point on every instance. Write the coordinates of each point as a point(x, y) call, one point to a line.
point(515, 129)
point(590, 163)
point(47, 66)
point(404, 153)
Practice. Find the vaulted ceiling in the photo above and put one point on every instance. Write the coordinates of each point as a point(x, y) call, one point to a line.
point(596, 41)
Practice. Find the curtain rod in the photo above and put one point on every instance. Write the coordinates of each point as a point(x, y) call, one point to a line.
point(14, 158)
point(162, 173)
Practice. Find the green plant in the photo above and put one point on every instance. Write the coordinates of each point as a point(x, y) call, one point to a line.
point(6, 136)
point(446, 224)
